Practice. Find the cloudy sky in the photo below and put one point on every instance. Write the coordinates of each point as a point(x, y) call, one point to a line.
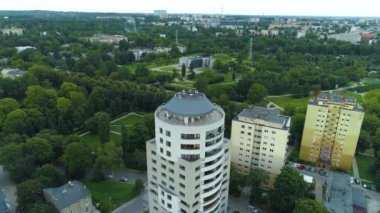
point(250, 7)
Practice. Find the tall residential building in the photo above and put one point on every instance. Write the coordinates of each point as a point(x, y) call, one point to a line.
point(259, 139)
point(188, 160)
point(331, 132)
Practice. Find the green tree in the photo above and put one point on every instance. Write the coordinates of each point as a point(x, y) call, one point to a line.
point(28, 193)
point(201, 84)
point(43, 208)
point(183, 70)
point(288, 188)
point(296, 127)
point(309, 206)
point(237, 182)
point(76, 159)
point(256, 93)
point(40, 149)
point(256, 178)
point(49, 171)
point(110, 157)
point(123, 45)
point(103, 125)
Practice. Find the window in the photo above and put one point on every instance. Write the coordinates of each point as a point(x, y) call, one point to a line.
point(242, 126)
point(189, 146)
point(161, 140)
point(168, 154)
point(161, 130)
point(168, 144)
point(182, 176)
point(190, 136)
point(161, 150)
point(167, 133)
point(182, 167)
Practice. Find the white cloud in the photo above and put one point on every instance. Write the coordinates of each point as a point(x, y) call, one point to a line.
point(250, 7)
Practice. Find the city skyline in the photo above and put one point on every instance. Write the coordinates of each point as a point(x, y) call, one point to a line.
point(238, 7)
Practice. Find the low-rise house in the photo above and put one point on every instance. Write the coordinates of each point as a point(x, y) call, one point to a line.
point(12, 73)
point(72, 197)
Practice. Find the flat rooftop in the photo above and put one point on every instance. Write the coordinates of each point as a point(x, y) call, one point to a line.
point(269, 115)
point(334, 98)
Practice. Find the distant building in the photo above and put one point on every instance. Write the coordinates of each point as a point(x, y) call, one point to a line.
point(259, 139)
point(189, 159)
point(4, 205)
point(366, 36)
point(13, 31)
point(264, 32)
point(22, 48)
point(331, 131)
point(162, 35)
point(196, 61)
point(353, 37)
point(161, 13)
point(12, 73)
point(107, 39)
point(301, 33)
point(181, 49)
point(72, 197)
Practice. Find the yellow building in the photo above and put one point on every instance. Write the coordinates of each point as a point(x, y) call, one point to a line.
point(259, 139)
point(331, 132)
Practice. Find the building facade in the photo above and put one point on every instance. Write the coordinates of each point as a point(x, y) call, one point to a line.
point(331, 131)
point(189, 159)
point(259, 139)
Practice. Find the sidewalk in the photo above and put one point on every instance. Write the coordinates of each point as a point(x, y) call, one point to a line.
point(355, 169)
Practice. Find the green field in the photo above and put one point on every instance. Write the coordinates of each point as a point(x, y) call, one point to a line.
point(110, 193)
point(284, 101)
point(94, 143)
point(132, 119)
point(364, 163)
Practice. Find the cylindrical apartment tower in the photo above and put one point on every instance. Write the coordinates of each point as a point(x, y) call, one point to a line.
point(189, 159)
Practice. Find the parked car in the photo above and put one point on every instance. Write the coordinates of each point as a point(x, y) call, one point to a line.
point(110, 177)
point(322, 172)
point(351, 180)
point(357, 181)
point(301, 167)
point(123, 179)
point(252, 209)
point(296, 165)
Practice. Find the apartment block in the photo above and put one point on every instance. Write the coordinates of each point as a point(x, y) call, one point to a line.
point(331, 131)
point(259, 139)
point(188, 161)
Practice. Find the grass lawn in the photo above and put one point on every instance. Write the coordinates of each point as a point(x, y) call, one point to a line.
point(94, 143)
point(364, 163)
point(110, 192)
point(354, 95)
point(130, 120)
point(284, 101)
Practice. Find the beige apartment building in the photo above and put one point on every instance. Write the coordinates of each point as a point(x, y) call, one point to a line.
point(188, 161)
point(331, 131)
point(259, 139)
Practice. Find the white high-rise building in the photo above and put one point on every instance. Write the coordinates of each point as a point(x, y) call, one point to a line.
point(189, 159)
point(259, 140)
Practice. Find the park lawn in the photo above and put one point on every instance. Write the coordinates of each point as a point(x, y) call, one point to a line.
point(364, 163)
point(93, 142)
point(110, 192)
point(371, 81)
point(129, 120)
point(284, 101)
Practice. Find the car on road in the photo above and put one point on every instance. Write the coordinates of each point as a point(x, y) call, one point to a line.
point(110, 177)
point(252, 209)
point(301, 167)
point(123, 179)
point(357, 181)
point(296, 165)
point(351, 180)
point(322, 172)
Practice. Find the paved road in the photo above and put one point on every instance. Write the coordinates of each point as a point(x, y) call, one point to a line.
point(137, 205)
point(9, 189)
